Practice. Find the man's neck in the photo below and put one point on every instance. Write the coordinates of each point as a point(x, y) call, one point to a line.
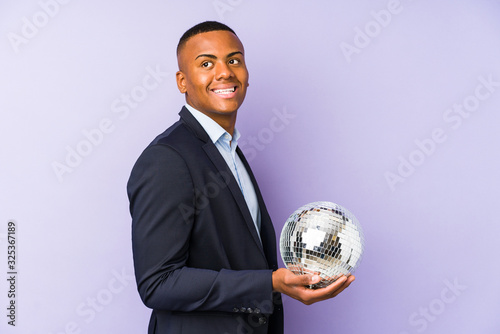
point(226, 121)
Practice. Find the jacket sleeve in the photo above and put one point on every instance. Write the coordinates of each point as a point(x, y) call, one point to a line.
point(161, 191)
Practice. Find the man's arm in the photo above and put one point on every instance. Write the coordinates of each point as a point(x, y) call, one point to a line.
point(160, 187)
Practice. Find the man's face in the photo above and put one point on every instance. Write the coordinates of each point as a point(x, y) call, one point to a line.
point(212, 73)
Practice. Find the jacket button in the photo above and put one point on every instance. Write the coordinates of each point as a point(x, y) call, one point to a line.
point(236, 309)
point(256, 310)
point(243, 309)
point(262, 320)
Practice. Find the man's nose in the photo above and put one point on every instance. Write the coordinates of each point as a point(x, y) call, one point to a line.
point(223, 71)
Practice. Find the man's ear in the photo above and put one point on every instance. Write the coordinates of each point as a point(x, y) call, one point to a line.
point(181, 81)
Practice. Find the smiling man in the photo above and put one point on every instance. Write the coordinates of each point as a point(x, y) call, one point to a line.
point(213, 75)
point(203, 243)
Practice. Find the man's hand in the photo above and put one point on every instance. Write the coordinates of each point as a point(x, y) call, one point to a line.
point(292, 285)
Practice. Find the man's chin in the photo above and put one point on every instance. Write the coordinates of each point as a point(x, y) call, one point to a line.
point(227, 112)
point(227, 108)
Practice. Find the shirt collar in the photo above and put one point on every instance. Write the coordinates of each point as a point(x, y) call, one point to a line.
point(213, 129)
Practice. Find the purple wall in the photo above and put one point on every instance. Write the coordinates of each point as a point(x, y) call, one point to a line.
point(389, 108)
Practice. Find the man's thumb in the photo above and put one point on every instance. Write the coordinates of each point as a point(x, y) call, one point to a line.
point(315, 279)
point(309, 279)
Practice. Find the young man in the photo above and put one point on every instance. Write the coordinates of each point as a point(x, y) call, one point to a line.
point(203, 242)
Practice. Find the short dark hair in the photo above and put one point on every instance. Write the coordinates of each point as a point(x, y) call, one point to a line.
point(200, 28)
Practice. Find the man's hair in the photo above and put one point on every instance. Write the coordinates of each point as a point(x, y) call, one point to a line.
point(200, 28)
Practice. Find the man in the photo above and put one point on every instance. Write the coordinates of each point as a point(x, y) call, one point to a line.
point(203, 242)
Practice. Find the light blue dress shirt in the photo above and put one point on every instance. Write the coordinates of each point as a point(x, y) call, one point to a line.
point(226, 144)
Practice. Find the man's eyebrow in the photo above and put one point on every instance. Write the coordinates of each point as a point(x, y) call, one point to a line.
point(206, 55)
point(214, 57)
point(235, 53)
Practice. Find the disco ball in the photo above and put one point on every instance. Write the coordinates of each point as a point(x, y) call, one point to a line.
point(322, 238)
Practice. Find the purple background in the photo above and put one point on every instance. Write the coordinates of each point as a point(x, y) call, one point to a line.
point(352, 119)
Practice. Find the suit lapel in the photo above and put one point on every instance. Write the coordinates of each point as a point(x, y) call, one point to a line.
point(267, 233)
point(221, 165)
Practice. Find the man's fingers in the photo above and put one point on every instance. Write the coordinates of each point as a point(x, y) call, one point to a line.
point(332, 290)
point(337, 285)
point(343, 286)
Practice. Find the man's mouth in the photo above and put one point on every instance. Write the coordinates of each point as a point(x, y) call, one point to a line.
point(224, 92)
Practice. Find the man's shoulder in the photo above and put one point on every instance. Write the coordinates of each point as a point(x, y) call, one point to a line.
point(171, 134)
point(178, 137)
point(176, 143)
point(177, 132)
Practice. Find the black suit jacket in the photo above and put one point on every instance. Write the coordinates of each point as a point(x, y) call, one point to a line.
point(198, 260)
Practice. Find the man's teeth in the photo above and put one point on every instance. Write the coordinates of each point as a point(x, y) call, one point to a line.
point(224, 91)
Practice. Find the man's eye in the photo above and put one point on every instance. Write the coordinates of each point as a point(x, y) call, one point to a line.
point(234, 61)
point(206, 64)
